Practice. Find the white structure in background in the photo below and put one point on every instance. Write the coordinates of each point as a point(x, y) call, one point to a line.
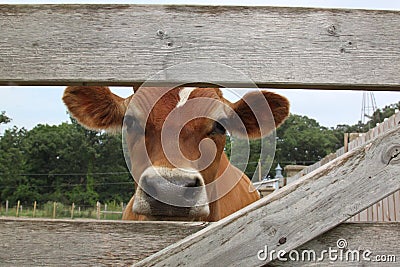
point(368, 107)
point(268, 185)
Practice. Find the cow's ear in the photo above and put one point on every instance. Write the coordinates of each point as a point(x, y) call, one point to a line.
point(95, 107)
point(255, 115)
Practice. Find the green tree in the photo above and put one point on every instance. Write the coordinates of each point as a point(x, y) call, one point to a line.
point(378, 117)
point(3, 118)
point(302, 140)
point(235, 148)
point(67, 163)
point(113, 181)
point(14, 184)
point(381, 114)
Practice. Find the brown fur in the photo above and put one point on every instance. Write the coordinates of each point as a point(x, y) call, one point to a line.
point(279, 108)
point(96, 107)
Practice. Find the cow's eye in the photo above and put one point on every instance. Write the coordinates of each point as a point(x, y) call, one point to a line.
point(218, 128)
point(131, 124)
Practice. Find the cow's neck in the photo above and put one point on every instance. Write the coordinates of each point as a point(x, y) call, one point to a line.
point(242, 194)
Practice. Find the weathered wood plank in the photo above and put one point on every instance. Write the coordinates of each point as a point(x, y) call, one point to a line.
point(125, 44)
point(360, 237)
point(41, 242)
point(296, 213)
point(370, 214)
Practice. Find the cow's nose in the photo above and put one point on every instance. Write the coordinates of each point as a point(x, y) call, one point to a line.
point(181, 191)
point(176, 194)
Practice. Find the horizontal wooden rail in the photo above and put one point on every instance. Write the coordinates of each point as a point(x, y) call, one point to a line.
point(127, 44)
point(295, 214)
point(45, 242)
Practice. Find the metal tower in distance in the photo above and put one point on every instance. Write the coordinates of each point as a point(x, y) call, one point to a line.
point(368, 107)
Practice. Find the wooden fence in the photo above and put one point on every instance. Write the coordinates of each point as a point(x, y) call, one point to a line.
point(99, 210)
point(387, 209)
point(275, 47)
point(125, 44)
point(298, 212)
point(47, 242)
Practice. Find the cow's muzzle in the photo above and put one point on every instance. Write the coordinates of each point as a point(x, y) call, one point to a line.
point(171, 193)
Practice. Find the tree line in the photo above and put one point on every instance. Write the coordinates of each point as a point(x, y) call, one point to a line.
point(64, 163)
point(67, 163)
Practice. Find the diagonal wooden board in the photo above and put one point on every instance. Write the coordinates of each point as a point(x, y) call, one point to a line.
point(295, 214)
point(364, 244)
point(272, 46)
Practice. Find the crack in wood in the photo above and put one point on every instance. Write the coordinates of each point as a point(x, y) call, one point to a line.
point(395, 156)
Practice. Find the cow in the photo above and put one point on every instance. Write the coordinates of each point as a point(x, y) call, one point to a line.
point(207, 193)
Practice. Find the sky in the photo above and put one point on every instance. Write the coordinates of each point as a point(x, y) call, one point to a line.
point(29, 106)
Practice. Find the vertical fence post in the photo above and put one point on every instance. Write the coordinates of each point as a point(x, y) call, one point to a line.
point(17, 213)
point(105, 211)
point(394, 206)
point(34, 209)
point(346, 142)
point(98, 210)
point(6, 207)
point(72, 210)
point(259, 170)
point(122, 207)
point(54, 209)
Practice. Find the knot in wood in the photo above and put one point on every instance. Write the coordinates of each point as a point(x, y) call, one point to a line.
point(161, 33)
point(332, 30)
point(391, 155)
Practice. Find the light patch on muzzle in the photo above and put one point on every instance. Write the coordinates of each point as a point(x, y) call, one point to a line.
point(171, 192)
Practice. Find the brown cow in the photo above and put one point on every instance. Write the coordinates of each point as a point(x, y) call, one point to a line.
point(204, 186)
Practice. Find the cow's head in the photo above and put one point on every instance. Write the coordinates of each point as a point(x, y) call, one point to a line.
point(175, 138)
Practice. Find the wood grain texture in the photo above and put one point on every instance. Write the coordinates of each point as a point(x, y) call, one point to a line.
point(41, 242)
point(386, 209)
point(380, 238)
point(126, 44)
point(296, 213)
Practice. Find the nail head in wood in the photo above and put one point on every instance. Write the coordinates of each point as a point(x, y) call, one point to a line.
point(282, 240)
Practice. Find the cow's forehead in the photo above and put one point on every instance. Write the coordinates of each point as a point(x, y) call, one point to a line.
point(157, 103)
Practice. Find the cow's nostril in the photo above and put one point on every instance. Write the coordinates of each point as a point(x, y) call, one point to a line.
point(193, 183)
point(197, 183)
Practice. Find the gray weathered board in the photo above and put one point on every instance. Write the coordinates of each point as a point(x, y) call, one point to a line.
point(381, 239)
point(297, 213)
point(41, 242)
point(127, 44)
